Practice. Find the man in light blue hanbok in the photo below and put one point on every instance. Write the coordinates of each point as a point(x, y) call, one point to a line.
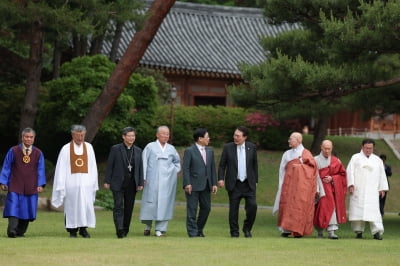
point(161, 164)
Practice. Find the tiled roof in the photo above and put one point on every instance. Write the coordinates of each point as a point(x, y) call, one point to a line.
point(206, 39)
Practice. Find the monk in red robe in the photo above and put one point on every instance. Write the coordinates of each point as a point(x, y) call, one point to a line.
point(295, 199)
point(331, 209)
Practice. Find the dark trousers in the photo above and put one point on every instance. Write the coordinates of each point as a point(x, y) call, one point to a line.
point(382, 201)
point(17, 226)
point(202, 199)
point(124, 201)
point(73, 230)
point(242, 190)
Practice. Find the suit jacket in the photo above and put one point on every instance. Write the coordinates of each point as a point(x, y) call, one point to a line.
point(228, 165)
point(117, 167)
point(195, 172)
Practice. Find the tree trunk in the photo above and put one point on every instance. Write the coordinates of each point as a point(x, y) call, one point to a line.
point(29, 108)
point(319, 133)
point(125, 67)
point(96, 44)
point(80, 45)
point(75, 44)
point(116, 41)
point(56, 59)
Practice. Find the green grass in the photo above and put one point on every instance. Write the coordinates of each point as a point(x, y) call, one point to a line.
point(47, 243)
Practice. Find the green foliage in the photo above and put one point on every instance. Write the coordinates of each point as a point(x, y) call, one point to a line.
point(220, 122)
point(104, 198)
point(377, 102)
point(341, 45)
point(164, 87)
point(70, 96)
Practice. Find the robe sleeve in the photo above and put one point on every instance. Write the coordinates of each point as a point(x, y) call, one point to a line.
point(60, 176)
point(41, 172)
point(177, 162)
point(320, 187)
point(93, 170)
point(350, 172)
point(383, 182)
point(144, 159)
point(6, 171)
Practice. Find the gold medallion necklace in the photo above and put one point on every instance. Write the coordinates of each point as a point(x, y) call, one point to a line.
point(26, 158)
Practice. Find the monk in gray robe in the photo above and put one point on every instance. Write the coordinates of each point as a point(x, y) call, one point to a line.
point(161, 164)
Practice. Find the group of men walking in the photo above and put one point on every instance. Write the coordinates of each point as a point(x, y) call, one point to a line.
point(311, 191)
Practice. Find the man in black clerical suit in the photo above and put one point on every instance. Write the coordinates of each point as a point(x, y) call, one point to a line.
point(199, 180)
point(124, 176)
point(238, 172)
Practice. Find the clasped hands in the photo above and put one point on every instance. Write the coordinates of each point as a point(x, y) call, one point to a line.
point(188, 189)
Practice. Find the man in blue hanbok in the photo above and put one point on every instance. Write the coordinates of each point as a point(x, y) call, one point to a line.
point(161, 165)
point(23, 176)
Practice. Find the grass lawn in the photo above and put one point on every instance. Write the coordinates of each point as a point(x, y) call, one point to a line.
point(47, 243)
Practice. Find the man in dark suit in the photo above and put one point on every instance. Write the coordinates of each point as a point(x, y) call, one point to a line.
point(238, 172)
point(199, 179)
point(124, 176)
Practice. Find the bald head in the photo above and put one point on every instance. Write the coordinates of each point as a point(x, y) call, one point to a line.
point(326, 148)
point(295, 139)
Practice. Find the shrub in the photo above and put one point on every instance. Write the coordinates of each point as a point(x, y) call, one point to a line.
point(271, 133)
point(104, 199)
point(219, 121)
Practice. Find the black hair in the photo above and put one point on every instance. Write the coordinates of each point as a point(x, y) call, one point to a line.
point(127, 130)
point(199, 133)
point(368, 141)
point(244, 130)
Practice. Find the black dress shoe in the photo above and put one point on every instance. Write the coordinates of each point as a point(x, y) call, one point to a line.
point(201, 234)
point(359, 236)
point(235, 235)
point(73, 235)
point(84, 233)
point(121, 233)
point(378, 236)
point(285, 234)
point(247, 234)
point(12, 234)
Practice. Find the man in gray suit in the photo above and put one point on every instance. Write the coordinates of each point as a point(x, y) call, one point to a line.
point(199, 179)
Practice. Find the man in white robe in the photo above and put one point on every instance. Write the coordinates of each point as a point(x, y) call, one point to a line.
point(161, 164)
point(366, 180)
point(76, 183)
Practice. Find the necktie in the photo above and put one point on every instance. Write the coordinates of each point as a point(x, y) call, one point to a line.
point(242, 164)
point(203, 154)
